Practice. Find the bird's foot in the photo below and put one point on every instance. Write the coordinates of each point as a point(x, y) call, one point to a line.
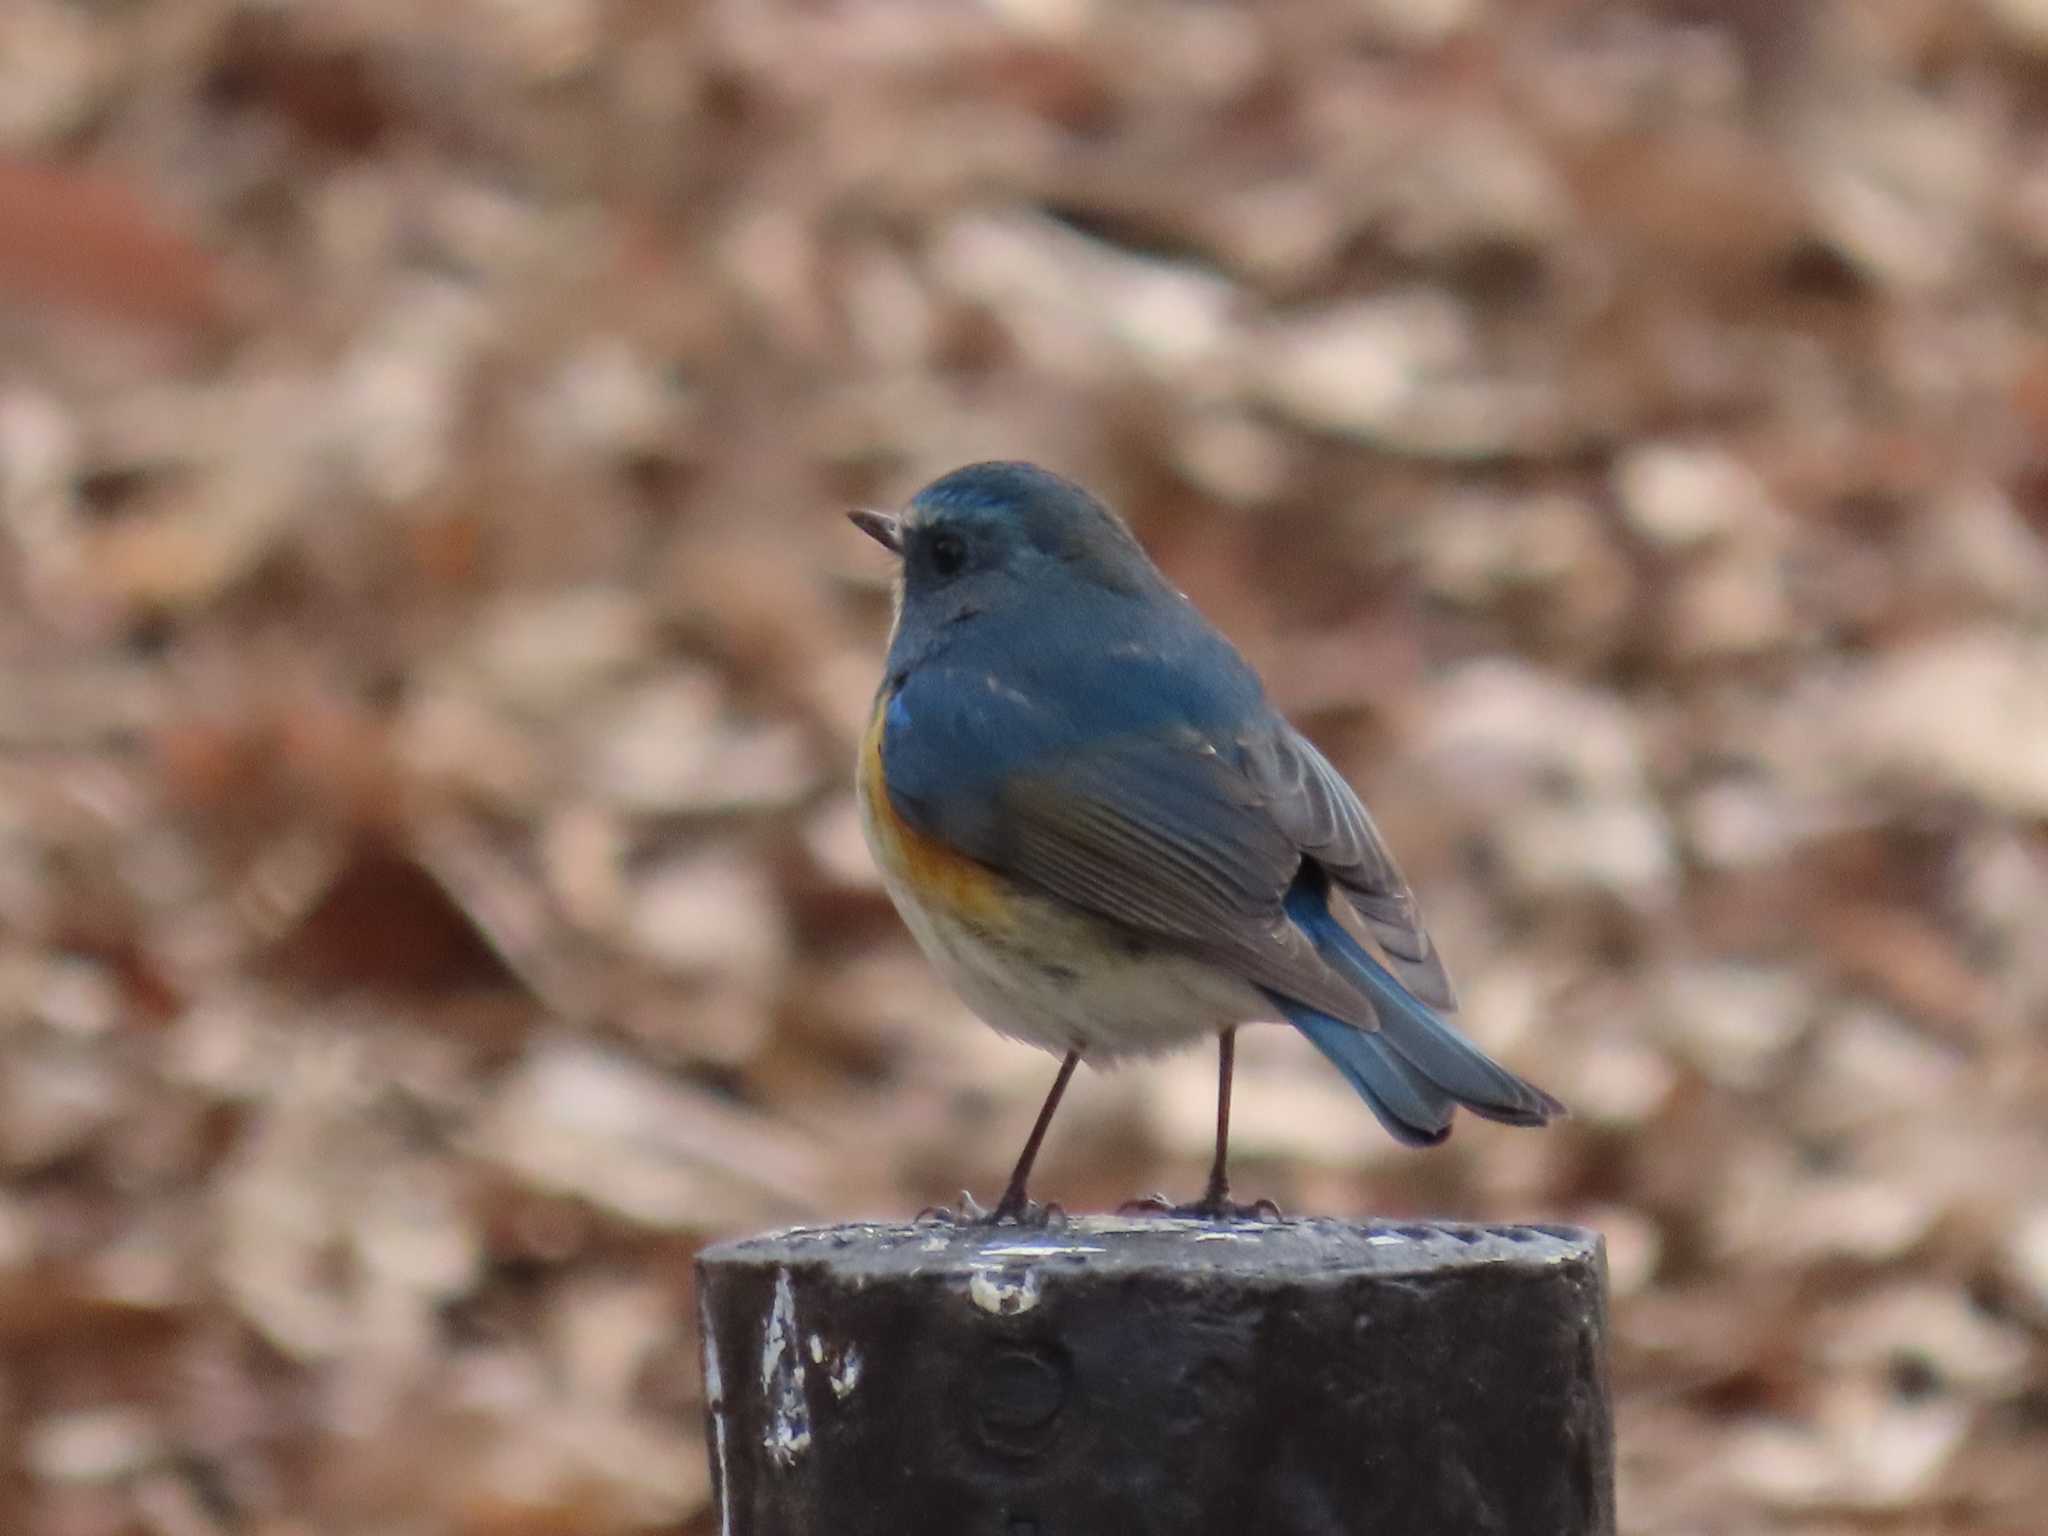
point(1026, 1213)
point(969, 1212)
point(1231, 1210)
point(1018, 1212)
point(1214, 1206)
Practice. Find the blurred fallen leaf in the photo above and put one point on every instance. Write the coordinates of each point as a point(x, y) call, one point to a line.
point(89, 241)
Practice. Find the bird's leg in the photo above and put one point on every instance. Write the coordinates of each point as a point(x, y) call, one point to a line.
point(1216, 1198)
point(1015, 1204)
point(1215, 1204)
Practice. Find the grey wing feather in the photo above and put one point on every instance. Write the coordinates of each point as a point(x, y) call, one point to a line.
point(1313, 806)
point(1104, 826)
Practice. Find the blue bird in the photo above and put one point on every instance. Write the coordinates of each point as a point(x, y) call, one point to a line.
point(1109, 842)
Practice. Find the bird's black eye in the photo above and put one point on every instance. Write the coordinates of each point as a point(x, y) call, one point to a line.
point(948, 554)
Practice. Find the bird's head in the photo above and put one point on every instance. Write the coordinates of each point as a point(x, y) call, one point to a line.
point(997, 533)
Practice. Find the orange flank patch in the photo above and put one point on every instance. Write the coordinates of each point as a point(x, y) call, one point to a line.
point(939, 876)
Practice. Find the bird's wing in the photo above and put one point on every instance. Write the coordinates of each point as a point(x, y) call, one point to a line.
point(1169, 830)
point(1317, 810)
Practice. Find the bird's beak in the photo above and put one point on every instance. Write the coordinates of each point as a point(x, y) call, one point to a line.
point(879, 526)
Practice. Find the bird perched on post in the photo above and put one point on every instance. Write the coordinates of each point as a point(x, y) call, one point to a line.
point(1108, 841)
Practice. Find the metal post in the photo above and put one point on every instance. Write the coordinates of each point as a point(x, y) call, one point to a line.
point(1159, 1375)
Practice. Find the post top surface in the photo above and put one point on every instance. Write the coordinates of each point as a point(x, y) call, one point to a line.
point(1291, 1250)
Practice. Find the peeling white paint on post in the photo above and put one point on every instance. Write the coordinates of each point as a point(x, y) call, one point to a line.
point(782, 1379)
point(1003, 1292)
point(842, 1370)
point(845, 1374)
point(714, 1396)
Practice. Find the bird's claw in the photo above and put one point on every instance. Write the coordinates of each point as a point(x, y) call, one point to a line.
point(1146, 1205)
point(1216, 1206)
point(1026, 1213)
point(972, 1213)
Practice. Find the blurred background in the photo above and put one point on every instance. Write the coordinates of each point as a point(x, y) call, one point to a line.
point(431, 653)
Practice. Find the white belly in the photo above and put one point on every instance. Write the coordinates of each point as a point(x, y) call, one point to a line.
point(1063, 982)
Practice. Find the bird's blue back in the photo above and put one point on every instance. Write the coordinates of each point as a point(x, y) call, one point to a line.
point(1005, 692)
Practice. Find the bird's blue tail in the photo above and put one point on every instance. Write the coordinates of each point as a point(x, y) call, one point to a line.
point(1415, 1069)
